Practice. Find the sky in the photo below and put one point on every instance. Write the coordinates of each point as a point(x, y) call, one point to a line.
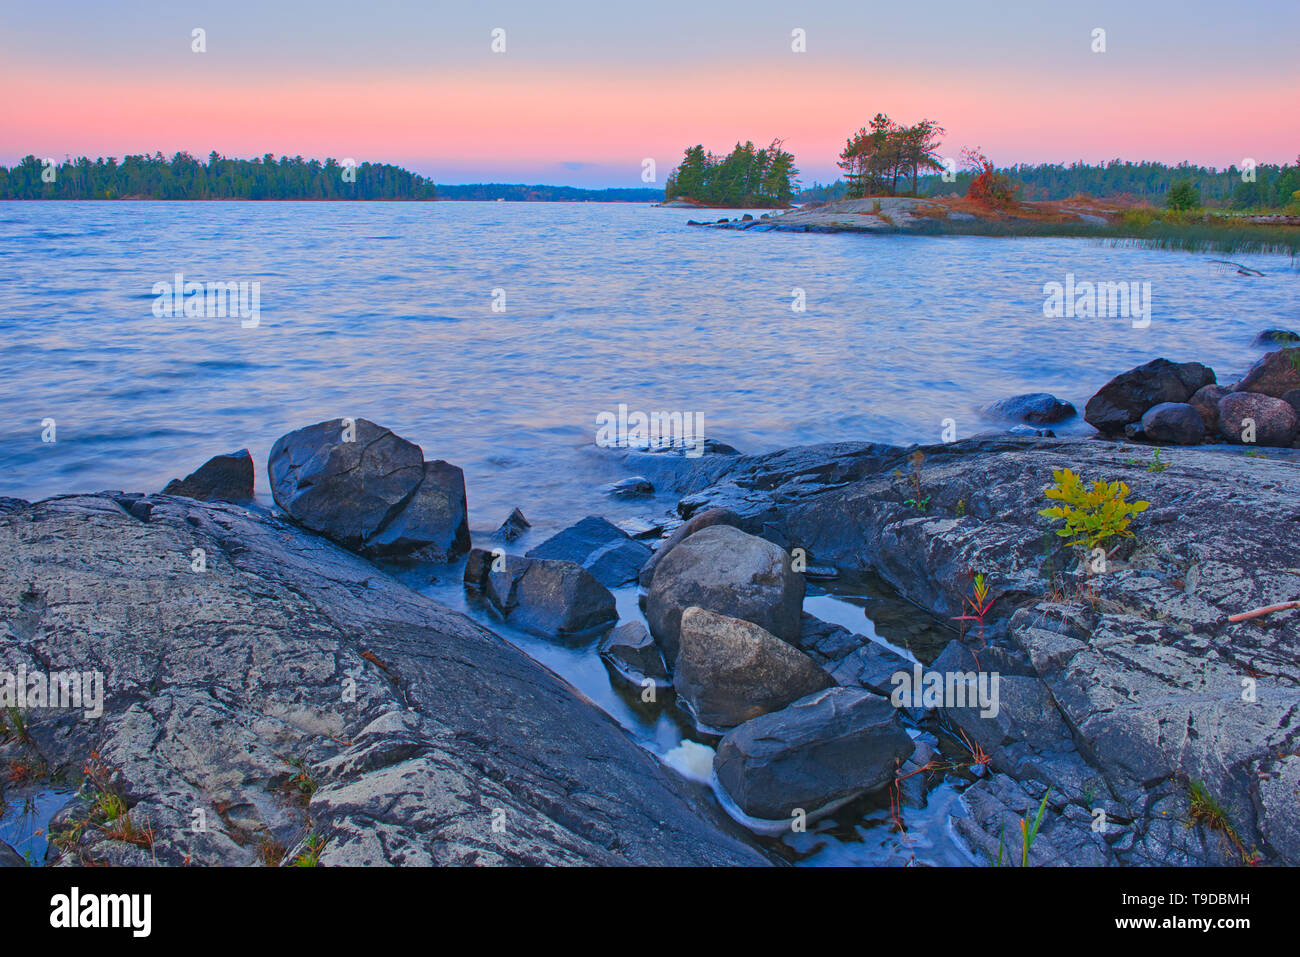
point(585, 92)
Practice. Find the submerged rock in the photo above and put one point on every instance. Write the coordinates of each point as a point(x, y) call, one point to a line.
point(1123, 400)
point(1274, 420)
point(605, 550)
point(728, 571)
point(821, 751)
point(634, 656)
point(728, 671)
point(223, 477)
point(1276, 337)
point(1034, 408)
point(1174, 423)
point(514, 526)
point(633, 487)
point(370, 490)
point(423, 738)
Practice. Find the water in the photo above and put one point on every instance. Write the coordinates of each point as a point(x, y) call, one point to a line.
point(384, 310)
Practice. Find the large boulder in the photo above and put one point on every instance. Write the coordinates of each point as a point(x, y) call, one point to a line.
point(1123, 400)
point(370, 490)
point(1274, 419)
point(1275, 374)
point(1034, 408)
point(729, 671)
point(1292, 399)
point(820, 752)
point(1173, 423)
point(712, 516)
point(221, 478)
point(1206, 402)
point(546, 597)
point(728, 571)
point(605, 550)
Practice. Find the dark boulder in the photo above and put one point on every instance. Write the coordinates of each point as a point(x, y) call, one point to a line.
point(1275, 374)
point(370, 490)
point(1206, 402)
point(1274, 420)
point(634, 657)
point(1292, 399)
point(1276, 337)
point(712, 516)
point(10, 858)
point(226, 478)
point(1034, 408)
point(605, 550)
point(554, 599)
point(1123, 400)
point(821, 751)
point(728, 571)
point(1173, 423)
point(728, 671)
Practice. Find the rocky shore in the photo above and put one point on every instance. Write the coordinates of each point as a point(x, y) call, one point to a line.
point(274, 694)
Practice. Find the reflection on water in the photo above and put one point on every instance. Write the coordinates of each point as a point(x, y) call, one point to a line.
point(384, 310)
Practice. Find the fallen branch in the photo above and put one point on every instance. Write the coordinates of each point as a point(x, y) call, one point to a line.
point(1259, 612)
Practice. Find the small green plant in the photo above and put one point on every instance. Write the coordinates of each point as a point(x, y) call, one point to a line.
point(917, 501)
point(311, 856)
point(961, 508)
point(1091, 516)
point(979, 604)
point(1293, 356)
point(1029, 834)
point(1156, 465)
point(301, 784)
point(1204, 808)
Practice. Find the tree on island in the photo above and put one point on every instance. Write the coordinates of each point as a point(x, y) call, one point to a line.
point(184, 177)
point(877, 156)
point(988, 186)
point(1184, 196)
point(745, 177)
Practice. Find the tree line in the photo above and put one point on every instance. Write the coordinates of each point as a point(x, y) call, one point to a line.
point(746, 176)
point(184, 177)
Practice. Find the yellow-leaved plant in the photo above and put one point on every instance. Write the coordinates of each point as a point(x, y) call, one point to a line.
point(1091, 516)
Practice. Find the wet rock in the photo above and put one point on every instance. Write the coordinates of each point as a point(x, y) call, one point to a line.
point(374, 494)
point(1276, 337)
point(10, 858)
point(1275, 374)
point(1275, 420)
point(634, 656)
point(555, 599)
point(633, 487)
point(223, 477)
point(818, 753)
point(728, 671)
point(605, 550)
point(1029, 430)
point(1292, 399)
point(1173, 423)
point(418, 727)
point(1034, 408)
point(1125, 398)
point(514, 526)
point(8, 505)
point(1206, 402)
point(728, 571)
point(713, 516)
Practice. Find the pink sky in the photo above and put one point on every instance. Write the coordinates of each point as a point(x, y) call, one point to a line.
point(592, 121)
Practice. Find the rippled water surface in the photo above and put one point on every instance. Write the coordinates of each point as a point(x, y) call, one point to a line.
point(384, 310)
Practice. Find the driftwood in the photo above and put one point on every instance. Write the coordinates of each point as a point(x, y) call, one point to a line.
point(1259, 612)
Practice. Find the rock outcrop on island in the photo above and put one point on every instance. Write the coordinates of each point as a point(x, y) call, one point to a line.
point(226, 478)
point(302, 703)
point(370, 490)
